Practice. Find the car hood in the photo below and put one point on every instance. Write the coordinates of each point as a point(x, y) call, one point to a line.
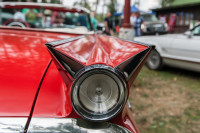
point(23, 60)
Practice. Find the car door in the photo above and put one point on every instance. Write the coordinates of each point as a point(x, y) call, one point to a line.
point(186, 48)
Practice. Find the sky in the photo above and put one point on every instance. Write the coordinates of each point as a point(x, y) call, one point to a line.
point(145, 5)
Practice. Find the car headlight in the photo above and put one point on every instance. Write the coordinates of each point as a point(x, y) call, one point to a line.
point(98, 94)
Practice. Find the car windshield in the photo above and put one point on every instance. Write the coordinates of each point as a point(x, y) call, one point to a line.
point(149, 17)
point(44, 19)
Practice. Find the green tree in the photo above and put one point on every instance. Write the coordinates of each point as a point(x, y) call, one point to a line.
point(166, 3)
point(100, 17)
point(83, 3)
point(112, 6)
point(96, 7)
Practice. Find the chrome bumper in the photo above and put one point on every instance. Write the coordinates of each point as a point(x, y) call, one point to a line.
point(67, 125)
point(12, 124)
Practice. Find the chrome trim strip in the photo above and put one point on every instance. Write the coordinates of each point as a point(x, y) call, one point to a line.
point(12, 124)
point(190, 60)
point(69, 125)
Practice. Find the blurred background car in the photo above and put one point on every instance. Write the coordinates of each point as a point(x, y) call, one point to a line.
point(40, 18)
point(176, 50)
point(152, 25)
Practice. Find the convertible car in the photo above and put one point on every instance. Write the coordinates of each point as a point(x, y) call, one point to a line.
point(61, 80)
point(176, 50)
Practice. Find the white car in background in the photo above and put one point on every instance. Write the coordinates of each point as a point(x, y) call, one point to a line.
point(176, 50)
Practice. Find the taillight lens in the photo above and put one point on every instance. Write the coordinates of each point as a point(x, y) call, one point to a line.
point(98, 94)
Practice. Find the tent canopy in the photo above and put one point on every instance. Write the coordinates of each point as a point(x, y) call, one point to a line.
point(133, 9)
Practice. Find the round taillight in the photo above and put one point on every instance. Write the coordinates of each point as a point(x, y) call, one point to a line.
point(98, 94)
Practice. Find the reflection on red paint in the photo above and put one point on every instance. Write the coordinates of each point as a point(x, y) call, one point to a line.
point(54, 96)
point(100, 49)
point(23, 60)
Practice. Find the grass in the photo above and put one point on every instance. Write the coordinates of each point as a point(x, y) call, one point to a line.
point(166, 101)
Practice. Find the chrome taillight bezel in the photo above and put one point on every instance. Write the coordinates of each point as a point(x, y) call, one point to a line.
point(98, 69)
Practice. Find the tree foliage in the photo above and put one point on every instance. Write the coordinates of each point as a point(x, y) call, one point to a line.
point(96, 7)
point(83, 3)
point(112, 6)
point(166, 3)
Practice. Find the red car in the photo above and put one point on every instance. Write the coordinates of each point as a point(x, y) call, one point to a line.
point(53, 80)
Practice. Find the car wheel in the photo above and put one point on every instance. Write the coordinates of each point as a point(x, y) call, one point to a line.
point(154, 62)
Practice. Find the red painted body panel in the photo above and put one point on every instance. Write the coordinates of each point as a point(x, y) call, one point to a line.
point(23, 60)
point(125, 119)
point(100, 49)
point(54, 96)
point(54, 101)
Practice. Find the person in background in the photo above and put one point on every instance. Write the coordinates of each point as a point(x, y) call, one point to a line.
point(19, 15)
point(93, 21)
point(108, 24)
point(68, 19)
point(57, 19)
point(31, 16)
point(117, 25)
point(82, 20)
point(132, 19)
point(46, 21)
point(137, 24)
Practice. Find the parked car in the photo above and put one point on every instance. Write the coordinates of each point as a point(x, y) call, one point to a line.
point(78, 82)
point(152, 25)
point(176, 50)
point(64, 19)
